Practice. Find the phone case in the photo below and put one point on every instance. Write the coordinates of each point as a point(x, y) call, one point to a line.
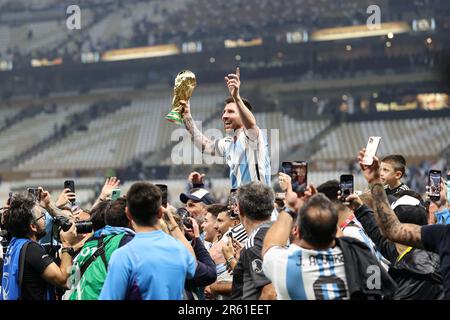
point(371, 150)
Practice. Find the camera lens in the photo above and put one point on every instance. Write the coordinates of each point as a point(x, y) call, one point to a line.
point(84, 227)
point(187, 222)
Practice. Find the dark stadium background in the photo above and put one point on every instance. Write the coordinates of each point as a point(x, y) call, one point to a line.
point(313, 69)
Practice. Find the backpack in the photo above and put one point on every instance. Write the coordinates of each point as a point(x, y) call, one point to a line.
point(90, 267)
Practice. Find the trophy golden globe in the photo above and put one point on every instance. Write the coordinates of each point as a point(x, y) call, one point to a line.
point(185, 83)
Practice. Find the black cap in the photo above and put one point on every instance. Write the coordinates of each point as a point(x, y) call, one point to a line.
point(198, 195)
point(409, 210)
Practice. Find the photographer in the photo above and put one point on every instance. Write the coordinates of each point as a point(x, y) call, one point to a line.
point(31, 273)
point(91, 265)
point(52, 210)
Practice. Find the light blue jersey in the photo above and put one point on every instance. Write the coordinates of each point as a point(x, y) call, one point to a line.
point(248, 159)
point(302, 274)
point(152, 266)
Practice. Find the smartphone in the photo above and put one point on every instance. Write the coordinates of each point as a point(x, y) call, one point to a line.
point(9, 199)
point(163, 189)
point(70, 184)
point(448, 187)
point(280, 195)
point(35, 192)
point(371, 150)
point(115, 194)
point(346, 186)
point(298, 171)
point(434, 182)
point(233, 204)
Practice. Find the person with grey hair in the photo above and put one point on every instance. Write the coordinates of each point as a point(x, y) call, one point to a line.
point(255, 203)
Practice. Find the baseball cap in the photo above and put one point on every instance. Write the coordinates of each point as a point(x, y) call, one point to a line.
point(409, 210)
point(198, 195)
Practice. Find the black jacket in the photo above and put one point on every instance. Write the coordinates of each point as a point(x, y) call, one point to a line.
point(417, 273)
point(360, 271)
point(205, 274)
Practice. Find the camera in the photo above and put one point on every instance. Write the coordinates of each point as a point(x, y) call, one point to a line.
point(184, 215)
point(64, 224)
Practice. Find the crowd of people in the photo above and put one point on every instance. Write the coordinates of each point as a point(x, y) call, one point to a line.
point(300, 246)
point(317, 243)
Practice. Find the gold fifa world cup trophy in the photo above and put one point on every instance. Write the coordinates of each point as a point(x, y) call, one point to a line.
point(185, 83)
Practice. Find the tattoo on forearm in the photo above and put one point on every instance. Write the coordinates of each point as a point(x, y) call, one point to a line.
point(202, 142)
point(408, 234)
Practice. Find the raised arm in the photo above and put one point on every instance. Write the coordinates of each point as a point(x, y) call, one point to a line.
point(234, 83)
point(46, 202)
point(278, 234)
point(403, 233)
point(201, 142)
point(110, 184)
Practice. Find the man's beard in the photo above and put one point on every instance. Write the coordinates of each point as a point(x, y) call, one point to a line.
point(41, 234)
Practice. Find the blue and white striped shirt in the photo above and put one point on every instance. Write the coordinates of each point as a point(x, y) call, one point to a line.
point(302, 274)
point(248, 159)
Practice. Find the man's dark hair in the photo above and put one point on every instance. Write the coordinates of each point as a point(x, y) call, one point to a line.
point(318, 220)
point(98, 215)
point(246, 103)
point(115, 215)
point(397, 161)
point(330, 189)
point(216, 208)
point(256, 201)
point(20, 215)
point(144, 202)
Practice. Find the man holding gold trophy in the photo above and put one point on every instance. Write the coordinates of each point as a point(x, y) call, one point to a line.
point(244, 148)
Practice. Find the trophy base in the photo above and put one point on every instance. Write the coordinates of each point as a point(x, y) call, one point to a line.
point(174, 117)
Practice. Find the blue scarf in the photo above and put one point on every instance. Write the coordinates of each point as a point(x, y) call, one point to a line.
point(10, 279)
point(108, 230)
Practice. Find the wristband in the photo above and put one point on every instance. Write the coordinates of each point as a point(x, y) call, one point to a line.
point(68, 250)
point(290, 212)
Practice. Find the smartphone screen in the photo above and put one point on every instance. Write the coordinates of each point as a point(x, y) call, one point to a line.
point(163, 189)
point(233, 203)
point(35, 192)
point(115, 194)
point(70, 184)
point(434, 181)
point(371, 150)
point(298, 171)
point(346, 186)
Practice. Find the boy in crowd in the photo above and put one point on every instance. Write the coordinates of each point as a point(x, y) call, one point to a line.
point(392, 170)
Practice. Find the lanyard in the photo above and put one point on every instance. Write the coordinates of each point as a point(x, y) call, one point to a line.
point(347, 221)
point(404, 253)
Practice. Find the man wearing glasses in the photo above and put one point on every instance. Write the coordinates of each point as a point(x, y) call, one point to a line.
point(29, 273)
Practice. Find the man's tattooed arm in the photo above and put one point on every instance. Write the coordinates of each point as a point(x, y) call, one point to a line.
point(403, 233)
point(200, 141)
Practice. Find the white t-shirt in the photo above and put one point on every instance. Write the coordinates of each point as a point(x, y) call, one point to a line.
point(303, 274)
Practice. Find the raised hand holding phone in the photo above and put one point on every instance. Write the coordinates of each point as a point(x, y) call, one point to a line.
point(371, 150)
point(434, 185)
point(346, 187)
point(70, 184)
